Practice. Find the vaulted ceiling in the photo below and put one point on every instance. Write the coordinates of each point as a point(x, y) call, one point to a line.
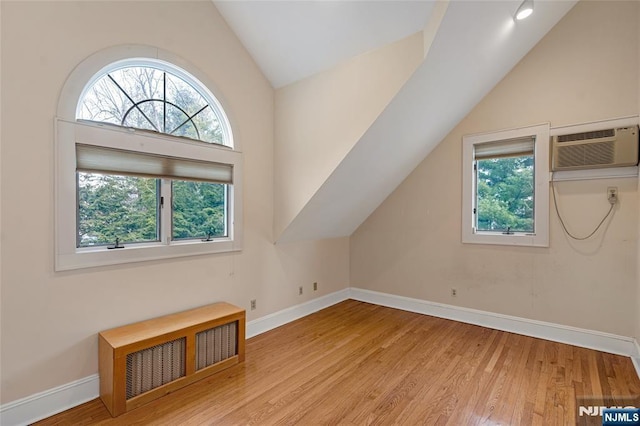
point(469, 47)
point(291, 40)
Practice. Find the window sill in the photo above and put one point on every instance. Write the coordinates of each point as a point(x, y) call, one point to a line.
point(93, 257)
point(498, 238)
point(605, 173)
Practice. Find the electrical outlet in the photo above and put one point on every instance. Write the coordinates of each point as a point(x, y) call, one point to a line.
point(315, 286)
point(454, 292)
point(253, 304)
point(612, 194)
point(300, 290)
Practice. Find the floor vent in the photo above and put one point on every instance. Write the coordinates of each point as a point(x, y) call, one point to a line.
point(156, 366)
point(215, 345)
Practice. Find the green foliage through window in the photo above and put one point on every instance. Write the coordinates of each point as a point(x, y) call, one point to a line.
point(505, 188)
point(111, 206)
point(198, 210)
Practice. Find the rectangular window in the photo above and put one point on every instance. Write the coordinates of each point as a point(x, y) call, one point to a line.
point(156, 196)
point(115, 209)
point(506, 187)
point(125, 210)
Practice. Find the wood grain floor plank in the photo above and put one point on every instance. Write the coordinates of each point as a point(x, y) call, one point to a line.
point(361, 364)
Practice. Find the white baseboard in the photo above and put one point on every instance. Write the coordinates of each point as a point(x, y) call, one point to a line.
point(591, 339)
point(635, 358)
point(276, 319)
point(44, 404)
point(41, 405)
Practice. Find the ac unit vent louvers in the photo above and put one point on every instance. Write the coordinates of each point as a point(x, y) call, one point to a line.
point(602, 148)
point(609, 133)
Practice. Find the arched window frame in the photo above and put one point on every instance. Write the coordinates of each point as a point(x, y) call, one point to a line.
point(161, 65)
point(70, 132)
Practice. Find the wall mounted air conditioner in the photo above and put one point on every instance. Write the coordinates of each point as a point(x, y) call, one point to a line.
point(614, 147)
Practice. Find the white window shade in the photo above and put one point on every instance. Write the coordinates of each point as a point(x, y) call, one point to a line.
point(97, 159)
point(506, 148)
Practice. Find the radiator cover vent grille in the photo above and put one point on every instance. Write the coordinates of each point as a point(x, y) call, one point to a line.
point(216, 344)
point(153, 367)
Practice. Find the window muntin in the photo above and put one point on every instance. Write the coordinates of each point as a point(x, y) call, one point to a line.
point(155, 96)
point(506, 187)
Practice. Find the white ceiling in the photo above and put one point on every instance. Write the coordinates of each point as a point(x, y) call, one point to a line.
point(474, 45)
point(291, 40)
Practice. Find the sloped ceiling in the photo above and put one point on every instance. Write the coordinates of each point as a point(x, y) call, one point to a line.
point(291, 40)
point(475, 45)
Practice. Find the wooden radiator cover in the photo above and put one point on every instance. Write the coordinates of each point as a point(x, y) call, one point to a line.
point(146, 360)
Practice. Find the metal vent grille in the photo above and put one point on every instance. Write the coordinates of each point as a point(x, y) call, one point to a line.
point(216, 344)
point(599, 153)
point(608, 133)
point(149, 368)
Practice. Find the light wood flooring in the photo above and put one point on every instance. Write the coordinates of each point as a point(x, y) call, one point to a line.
point(356, 363)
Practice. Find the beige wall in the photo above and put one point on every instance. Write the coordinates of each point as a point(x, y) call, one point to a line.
point(50, 320)
point(319, 119)
point(585, 69)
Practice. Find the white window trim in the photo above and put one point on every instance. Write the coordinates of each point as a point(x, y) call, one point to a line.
point(68, 132)
point(540, 238)
point(68, 256)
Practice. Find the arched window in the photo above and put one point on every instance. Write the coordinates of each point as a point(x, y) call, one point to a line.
point(151, 160)
point(155, 96)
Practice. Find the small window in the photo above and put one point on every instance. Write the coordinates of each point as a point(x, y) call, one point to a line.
point(505, 187)
point(151, 159)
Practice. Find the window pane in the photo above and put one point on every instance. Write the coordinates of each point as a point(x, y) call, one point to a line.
point(111, 206)
point(505, 188)
point(209, 126)
point(153, 99)
point(105, 102)
point(140, 83)
point(182, 94)
point(199, 210)
point(179, 124)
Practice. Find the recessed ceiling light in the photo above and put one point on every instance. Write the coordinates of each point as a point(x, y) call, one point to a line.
point(525, 10)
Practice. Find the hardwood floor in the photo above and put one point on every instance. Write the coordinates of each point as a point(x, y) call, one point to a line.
point(356, 363)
